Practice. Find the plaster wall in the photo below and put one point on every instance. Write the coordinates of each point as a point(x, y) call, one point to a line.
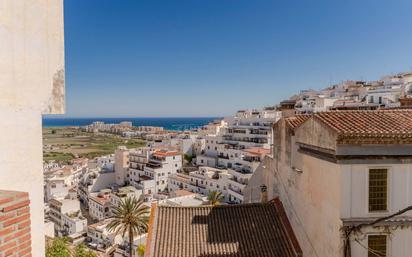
point(31, 84)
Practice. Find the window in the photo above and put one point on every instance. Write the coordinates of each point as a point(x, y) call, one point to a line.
point(378, 189)
point(376, 245)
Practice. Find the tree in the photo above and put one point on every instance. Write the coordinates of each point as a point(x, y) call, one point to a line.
point(215, 197)
point(82, 251)
point(130, 218)
point(141, 250)
point(58, 248)
point(188, 158)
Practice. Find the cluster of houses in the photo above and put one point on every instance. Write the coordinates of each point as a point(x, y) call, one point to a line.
point(178, 170)
point(337, 159)
point(387, 92)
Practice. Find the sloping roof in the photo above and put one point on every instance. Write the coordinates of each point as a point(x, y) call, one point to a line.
point(245, 230)
point(257, 151)
point(368, 126)
point(162, 153)
point(393, 123)
point(295, 121)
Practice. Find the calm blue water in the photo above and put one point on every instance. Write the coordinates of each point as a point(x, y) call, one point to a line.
point(167, 123)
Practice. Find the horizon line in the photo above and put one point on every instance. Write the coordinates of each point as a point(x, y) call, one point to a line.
point(127, 117)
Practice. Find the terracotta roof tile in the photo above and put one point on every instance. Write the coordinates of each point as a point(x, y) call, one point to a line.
point(257, 151)
point(396, 124)
point(260, 230)
point(296, 121)
point(165, 153)
point(364, 126)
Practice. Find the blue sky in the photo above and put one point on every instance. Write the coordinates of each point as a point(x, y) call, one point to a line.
point(212, 57)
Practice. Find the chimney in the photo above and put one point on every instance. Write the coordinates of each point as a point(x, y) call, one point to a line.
point(263, 193)
point(287, 107)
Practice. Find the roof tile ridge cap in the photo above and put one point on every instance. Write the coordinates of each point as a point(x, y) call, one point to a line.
point(278, 205)
point(306, 120)
point(151, 233)
point(184, 207)
point(321, 119)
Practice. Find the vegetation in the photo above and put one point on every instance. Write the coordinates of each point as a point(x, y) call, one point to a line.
point(82, 251)
point(215, 197)
point(141, 250)
point(66, 143)
point(130, 218)
point(57, 156)
point(59, 247)
point(188, 158)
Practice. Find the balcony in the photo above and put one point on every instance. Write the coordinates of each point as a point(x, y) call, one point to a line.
point(154, 165)
point(223, 156)
point(246, 139)
point(236, 193)
point(258, 132)
point(238, 182)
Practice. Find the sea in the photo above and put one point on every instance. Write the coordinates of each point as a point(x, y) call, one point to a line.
point(166, 123)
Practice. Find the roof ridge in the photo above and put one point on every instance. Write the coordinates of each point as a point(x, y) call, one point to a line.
point(217, 206)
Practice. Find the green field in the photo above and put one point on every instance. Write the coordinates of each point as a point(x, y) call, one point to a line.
point(66, 143)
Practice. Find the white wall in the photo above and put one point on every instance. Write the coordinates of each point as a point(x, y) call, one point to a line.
point(31, 83)
point(355, 189)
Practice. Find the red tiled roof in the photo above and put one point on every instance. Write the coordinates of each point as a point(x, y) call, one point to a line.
point(364, 126)
point(244, 230)
point(369, 123)
point(296, 121)
point(165, 153)
point(257, 151)
point(99, 200)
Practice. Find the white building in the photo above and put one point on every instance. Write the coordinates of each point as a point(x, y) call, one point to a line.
point(99, 205)
point(55, 188)
point(122, 193)
point(94, 181)
point(202, 181)
point(185, 199)
point(184, 143)
point(160, 165)
point(106, 162)
point(385, 95)
point(247, 129)
point(100, 237)
point(66, 215)
point(73, 223)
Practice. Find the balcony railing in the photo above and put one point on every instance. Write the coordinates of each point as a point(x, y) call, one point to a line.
point(154, 165)
point(244, 183)
point(223, 156)
point(235, 190)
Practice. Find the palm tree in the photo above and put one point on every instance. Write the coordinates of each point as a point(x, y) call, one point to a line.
point(215, 197)
point(130, 218)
